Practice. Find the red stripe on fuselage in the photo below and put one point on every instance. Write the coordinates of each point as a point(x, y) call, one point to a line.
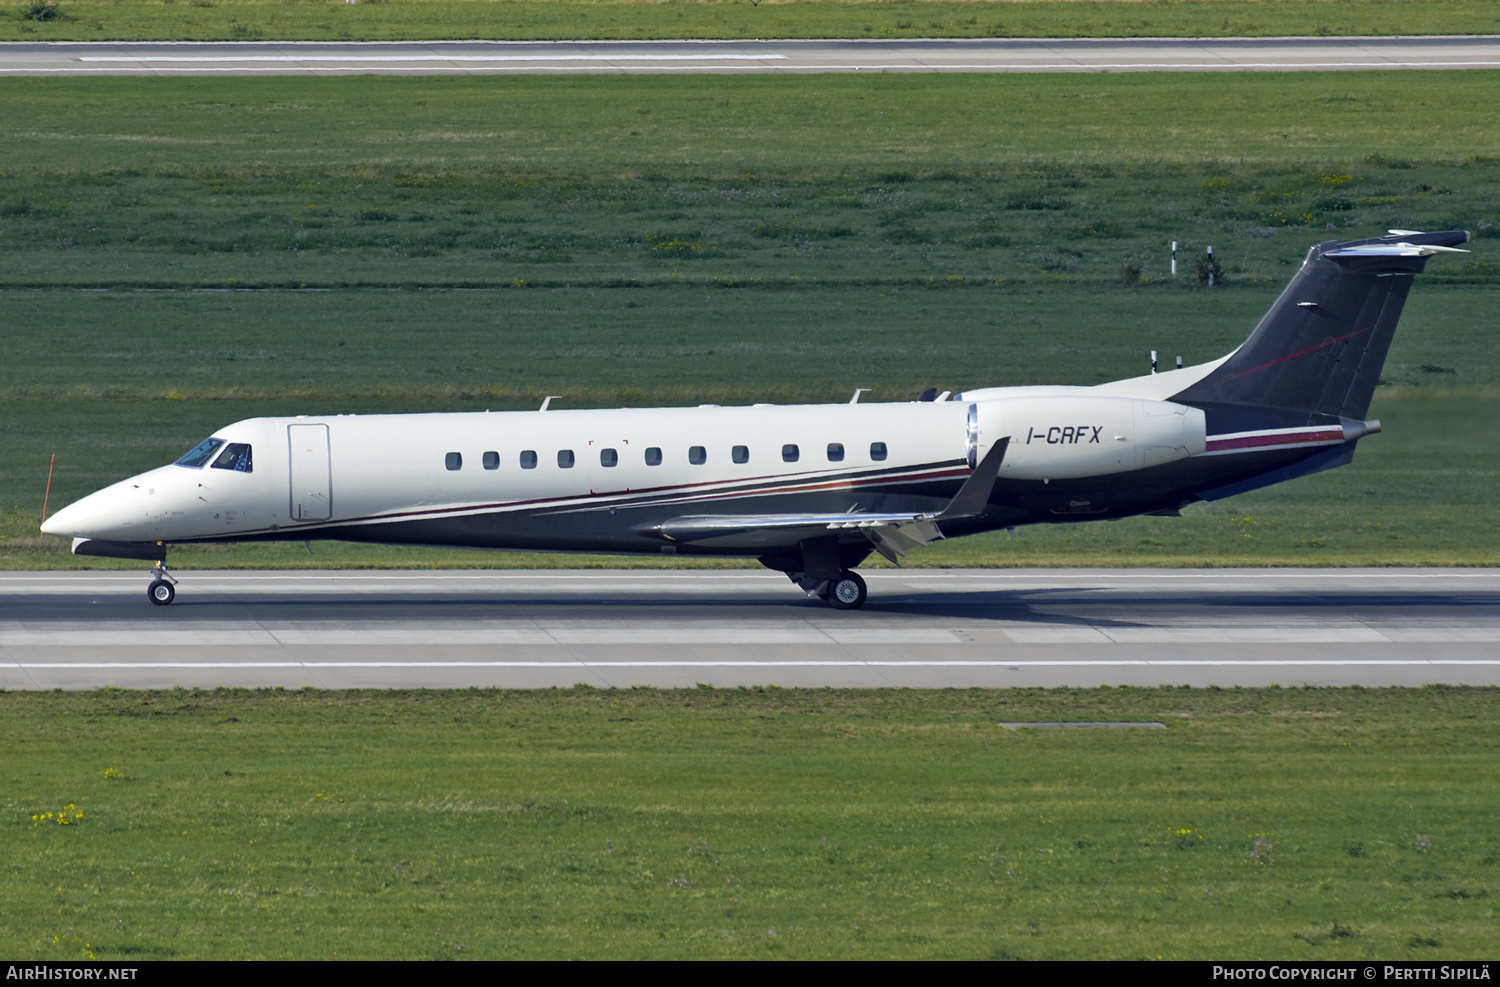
point(1262, 440)
point(808, 487)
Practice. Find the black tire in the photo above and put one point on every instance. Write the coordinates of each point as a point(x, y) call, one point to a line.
point(161, 593)
point(847, 592)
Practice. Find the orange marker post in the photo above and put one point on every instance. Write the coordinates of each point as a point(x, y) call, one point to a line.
point(46, 496)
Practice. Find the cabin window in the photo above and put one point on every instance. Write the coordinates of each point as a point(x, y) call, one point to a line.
point(789, 454)
point(565, 459)
point(492, 460)
point(740, 454)
point(454, 461)
point(835, 452)
point(653, 456)
point(877, 451)
point(697, 455)
point(236, 456)
point(528, 459)
point(200, 453)
point(608, 457)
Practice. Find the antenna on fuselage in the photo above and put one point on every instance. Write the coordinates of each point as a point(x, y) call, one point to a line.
point(857, 392)
point(548, 400)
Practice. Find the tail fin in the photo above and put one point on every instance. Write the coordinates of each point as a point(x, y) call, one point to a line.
point(1316, 356)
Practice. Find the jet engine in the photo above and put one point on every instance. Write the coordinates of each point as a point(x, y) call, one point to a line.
point(1072, 436)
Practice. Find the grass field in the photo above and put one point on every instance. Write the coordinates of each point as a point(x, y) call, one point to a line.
point(939, 230)
point(693, 127)
point(1282, 823)
point(663, 182)
point(250, 20)
point(1066, 227)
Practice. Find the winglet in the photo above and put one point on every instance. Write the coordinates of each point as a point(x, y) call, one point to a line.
point(974, 496)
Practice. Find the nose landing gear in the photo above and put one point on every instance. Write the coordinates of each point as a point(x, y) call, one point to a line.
point(162, 589)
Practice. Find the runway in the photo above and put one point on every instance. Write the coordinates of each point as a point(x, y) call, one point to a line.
point(744, 57)
point(677, 628)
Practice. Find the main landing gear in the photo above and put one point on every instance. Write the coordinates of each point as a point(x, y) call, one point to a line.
point(847, 592)
point(162, 590)
point(823, 568)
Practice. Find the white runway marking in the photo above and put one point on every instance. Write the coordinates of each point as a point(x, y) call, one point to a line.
point(604, 663)
point(424, 58)
point(229, 635)
point(148, 64)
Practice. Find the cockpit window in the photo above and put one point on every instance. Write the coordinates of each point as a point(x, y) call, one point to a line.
point(236, 456)
point(201, 453)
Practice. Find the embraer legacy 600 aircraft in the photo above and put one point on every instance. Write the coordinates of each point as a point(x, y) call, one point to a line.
point(809, 490)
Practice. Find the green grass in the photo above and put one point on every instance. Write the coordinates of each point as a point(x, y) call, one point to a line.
point(682, 127)
point(600, 182)
point(324, 352)
point(1056, 228)
point(1289, 824)
point(250, 20)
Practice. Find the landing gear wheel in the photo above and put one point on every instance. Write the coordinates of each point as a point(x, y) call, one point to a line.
point(847, 592)
point(161, 593)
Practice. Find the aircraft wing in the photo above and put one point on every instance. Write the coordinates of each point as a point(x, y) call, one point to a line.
point(893, 535)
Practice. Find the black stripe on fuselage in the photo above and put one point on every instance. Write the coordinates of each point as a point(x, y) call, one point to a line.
point(608, 523)
point(932, 483)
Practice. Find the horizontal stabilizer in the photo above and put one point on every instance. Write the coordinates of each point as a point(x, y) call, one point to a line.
point(893, 535)
point(1393, 250)
point(1400, 252)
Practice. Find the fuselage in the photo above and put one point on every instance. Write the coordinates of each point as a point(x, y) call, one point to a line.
point(567, 480)
point(609, 480)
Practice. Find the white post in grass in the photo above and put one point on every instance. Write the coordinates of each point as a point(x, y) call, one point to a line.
point(1174, 258)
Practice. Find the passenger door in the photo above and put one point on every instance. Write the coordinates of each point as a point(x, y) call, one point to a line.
point(311, 473)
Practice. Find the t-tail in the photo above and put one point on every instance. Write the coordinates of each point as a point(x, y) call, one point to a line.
point(1316, 356)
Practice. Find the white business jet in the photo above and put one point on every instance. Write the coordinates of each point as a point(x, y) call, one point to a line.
point(808, 490)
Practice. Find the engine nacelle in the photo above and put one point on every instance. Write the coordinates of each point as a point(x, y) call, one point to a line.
point(1065, 437)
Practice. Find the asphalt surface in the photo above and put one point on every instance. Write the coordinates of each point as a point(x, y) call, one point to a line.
point(741, 57)
point(920, 628)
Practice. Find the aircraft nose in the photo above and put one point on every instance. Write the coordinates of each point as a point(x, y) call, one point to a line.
point(148, 507)
point(62, 522)
point(104, 514)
